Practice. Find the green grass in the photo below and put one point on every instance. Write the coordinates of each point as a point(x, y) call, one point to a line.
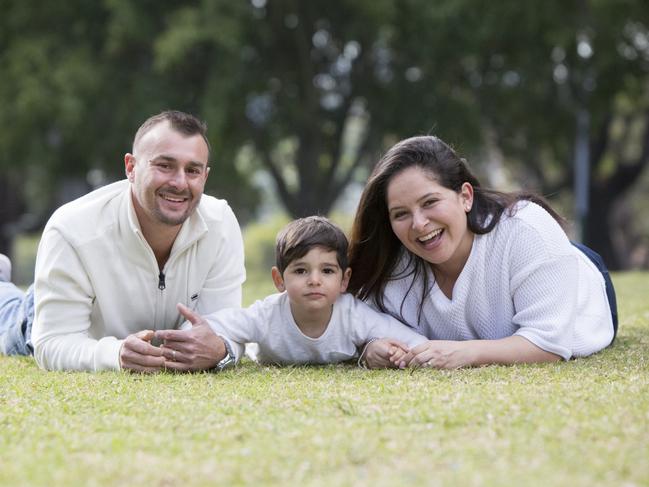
point(580, 423)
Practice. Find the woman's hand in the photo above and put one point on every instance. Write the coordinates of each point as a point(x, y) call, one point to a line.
point(446, 354)
point(439, 354)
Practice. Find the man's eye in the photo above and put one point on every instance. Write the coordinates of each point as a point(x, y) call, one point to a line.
point(195, 171)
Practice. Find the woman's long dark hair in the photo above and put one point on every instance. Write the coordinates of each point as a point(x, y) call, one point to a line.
point(374, 248)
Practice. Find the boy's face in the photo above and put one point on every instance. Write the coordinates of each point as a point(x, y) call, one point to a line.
point(313, 282)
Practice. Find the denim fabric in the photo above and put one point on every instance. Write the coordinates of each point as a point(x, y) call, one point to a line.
point(610, 290)
point(16, 318)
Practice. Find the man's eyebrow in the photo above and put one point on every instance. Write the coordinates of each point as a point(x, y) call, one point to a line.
point(164, 158)
point(173, 159)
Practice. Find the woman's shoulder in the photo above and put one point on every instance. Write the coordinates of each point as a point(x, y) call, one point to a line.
point(526, 216)
point(527, 229)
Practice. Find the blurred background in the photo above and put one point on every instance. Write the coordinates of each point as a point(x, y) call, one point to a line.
point(302, 97)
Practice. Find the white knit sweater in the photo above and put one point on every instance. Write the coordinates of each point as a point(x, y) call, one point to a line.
point(522, 278)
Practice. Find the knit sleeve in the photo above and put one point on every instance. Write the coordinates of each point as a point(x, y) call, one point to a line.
point(543, 282)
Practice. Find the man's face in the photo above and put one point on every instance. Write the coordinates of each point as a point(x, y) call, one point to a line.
point(167, 172)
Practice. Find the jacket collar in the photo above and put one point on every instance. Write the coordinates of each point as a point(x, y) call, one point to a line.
point(192, 230)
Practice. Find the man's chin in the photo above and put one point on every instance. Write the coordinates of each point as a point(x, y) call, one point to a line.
point(172, 220)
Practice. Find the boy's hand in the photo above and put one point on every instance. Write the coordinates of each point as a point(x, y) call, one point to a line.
point(397, 354)
point(190, 350)
point(378, 353)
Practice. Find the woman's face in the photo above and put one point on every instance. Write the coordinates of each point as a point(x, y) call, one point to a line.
point(429, 219)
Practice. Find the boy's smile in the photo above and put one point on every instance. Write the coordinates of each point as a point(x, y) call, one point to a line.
point(313, 282)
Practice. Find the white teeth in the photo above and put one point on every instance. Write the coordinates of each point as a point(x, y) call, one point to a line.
point(431, 235)
point(173, 200)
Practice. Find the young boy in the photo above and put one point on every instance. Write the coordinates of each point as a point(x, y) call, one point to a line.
point(311, 320)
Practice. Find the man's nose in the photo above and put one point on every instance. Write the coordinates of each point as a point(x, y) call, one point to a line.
point(179, 179)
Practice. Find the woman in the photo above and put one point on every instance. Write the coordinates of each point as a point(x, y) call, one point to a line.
point(488, 277)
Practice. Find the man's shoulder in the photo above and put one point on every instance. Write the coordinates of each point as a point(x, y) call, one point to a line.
point(85, 213)
point(214, 210)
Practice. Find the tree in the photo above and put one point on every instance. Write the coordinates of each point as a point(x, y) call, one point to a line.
point(312, 92)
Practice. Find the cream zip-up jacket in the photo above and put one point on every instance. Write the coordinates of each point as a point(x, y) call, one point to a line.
point(97, 280)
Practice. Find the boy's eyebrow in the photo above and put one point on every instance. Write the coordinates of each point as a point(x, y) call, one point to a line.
point(297, 262)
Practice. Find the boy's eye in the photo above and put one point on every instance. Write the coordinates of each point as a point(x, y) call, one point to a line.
point(329, 270)
point(299, 270)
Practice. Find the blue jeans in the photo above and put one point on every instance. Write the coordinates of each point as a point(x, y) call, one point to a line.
point(16, 318)
point(610, 290)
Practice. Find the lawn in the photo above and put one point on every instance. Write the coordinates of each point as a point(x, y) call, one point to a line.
point(578, 423)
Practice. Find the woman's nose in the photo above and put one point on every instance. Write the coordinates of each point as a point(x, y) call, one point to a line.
point(419, 220)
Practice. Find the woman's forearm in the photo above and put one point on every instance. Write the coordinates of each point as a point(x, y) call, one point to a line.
point(511, 350)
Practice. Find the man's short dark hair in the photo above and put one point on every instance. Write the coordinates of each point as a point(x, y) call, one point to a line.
point(300, 236)
point(181, 122)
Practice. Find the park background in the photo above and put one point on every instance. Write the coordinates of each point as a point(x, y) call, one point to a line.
point(301, 98)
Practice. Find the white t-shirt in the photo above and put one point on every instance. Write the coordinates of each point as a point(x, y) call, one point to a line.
point(522, 278)
point(270, 324)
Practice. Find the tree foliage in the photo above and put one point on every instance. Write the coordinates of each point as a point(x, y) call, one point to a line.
point(312, 92)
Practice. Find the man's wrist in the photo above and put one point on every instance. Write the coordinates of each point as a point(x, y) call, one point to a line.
point(228, 360)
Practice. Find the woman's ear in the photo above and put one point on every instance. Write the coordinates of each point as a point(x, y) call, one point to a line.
point(278, 280)
point(466, 194)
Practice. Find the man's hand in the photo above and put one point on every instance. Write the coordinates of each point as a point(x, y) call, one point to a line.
point(378, 354)
point(191, 350)
point(137, 353)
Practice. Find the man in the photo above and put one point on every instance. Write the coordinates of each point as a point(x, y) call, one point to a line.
point(112, 265)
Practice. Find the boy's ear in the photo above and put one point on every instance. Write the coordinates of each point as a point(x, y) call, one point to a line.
point(277, 279)
point(345, 282)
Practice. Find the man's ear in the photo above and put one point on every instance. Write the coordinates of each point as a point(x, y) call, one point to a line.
point(278, 280)
point(345, 282)
point(129, 166)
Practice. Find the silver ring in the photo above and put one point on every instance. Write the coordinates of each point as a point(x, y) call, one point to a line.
point(173, 355)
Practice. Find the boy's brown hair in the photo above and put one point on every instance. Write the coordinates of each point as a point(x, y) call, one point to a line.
point(297, 238)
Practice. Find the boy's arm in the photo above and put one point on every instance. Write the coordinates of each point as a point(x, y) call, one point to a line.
point(382, 353)
point(383, 337)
